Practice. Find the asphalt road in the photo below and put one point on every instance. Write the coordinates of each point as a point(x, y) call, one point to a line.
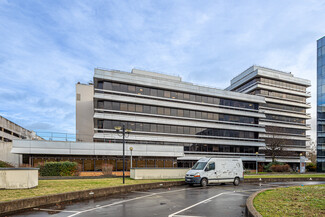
point(218, 200)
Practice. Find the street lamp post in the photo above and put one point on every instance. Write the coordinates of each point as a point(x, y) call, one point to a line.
point(118, 128)
point(131, 149)
point(256, 163)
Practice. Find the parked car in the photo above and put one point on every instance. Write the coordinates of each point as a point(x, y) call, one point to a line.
point(215, 170)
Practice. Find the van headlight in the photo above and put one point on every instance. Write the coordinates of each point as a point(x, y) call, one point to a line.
point(197, 175)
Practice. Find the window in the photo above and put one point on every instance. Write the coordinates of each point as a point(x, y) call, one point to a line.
point(173, 95)
point(160, 128)
point(160, 93)
point(108, 85)
point(153, 127)
point(139, 108)
point(167, 129)
point(131, 107)
point(173, 112)
point(180, 130)
point(124, 87)
point(116, 106)
point(100, 104)
point(211, 166)
point(192, 114)
point(131, 88)
point(186, 113)
point(78, 97)
point(124, 106)
point(167, 94)
point(186, 96)
point(139, 90)
point(100, 85)
point(116, 86)
point(108, 105)
point(180, 112)
point(146, 127)
point(167, 111)
point(160, 110)
point(180, 95)
point(198, 114)
point(153, 92)
point(153, 110)
point(146, 109)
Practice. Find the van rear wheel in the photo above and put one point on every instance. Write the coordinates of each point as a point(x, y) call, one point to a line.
point(236, 181)
point(204, 182)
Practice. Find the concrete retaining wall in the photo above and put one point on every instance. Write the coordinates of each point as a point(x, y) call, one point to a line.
point(7, 156)
point(19, 205)
point(158, 173)
point(18, 178)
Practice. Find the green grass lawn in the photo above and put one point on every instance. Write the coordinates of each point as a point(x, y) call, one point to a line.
point(292, 201)
point(47, 187)
point(277, 175)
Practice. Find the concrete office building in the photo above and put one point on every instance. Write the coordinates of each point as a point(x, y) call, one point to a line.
point(10, 131)
point(285, 108)
point(321, 105)
point(161, 110)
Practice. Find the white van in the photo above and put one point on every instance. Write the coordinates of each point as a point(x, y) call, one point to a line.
point(216, 170)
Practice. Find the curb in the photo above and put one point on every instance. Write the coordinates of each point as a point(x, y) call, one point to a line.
point(10, 207)
point(254, 180)
point(250, 209)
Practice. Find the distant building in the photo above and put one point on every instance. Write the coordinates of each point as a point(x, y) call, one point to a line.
point(10, 131)
point(285, 108)
point(321, 105)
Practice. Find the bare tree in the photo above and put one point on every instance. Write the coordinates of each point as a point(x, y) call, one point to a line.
point(275, 144)
point(311, 154)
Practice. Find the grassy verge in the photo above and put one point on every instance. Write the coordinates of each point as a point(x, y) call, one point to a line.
point(47, 187)
point(292, 201)
point(286, 176)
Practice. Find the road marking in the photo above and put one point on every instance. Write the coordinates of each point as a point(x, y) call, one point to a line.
point(123, 201)
point(174, 214)
point(53, 210)
point(142, 192)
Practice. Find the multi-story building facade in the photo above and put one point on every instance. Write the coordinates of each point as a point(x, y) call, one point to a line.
point(285, 109)
point(321, 105)
point(10, 131)
point(163, 110)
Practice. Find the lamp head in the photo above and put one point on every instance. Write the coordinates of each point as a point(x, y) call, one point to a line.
point(117, 128)
point(131, 148)
point(128, 130)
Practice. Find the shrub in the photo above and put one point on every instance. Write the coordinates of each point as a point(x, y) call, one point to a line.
point(267, 167)
point(311, 167)
point(5, 164)
point(280, 168)
point(65, 168)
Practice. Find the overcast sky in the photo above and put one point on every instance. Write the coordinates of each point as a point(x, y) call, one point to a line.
point(46, 47)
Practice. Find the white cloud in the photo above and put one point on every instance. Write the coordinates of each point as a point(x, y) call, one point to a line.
point(46, 46)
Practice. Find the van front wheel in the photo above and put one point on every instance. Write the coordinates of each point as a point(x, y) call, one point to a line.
point(204, 182)
point(236, 181)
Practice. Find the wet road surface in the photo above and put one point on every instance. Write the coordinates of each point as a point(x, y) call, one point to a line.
point(216, 200)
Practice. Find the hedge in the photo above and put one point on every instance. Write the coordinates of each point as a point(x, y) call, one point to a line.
point(65, 168)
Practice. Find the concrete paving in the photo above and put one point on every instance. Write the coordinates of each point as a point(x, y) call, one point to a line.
point(216, 200)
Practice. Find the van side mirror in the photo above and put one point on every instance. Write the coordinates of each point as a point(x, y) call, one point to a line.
point(206, 169)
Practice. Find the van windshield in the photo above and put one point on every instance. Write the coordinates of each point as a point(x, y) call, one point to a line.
point(199, 165)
